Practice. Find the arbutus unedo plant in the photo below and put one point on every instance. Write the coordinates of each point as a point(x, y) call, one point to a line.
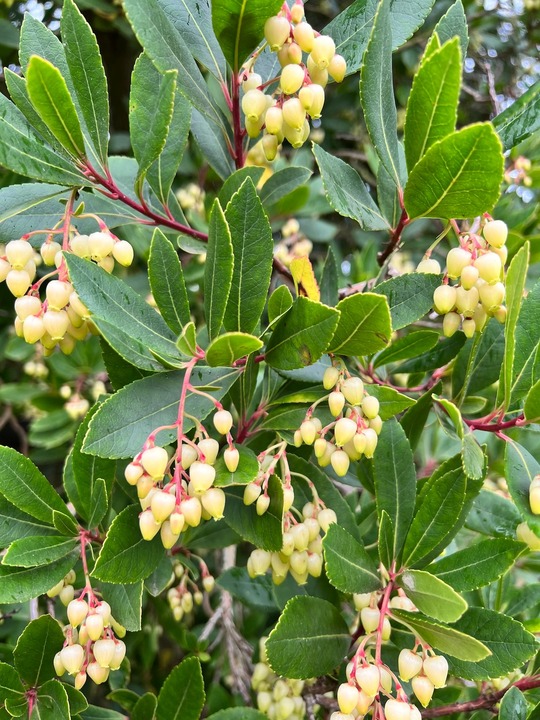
point(298, 481)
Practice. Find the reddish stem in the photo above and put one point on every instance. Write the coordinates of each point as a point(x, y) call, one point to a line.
point(180, 424)
point(395, 237)
point(237, 123)
point(495, 427)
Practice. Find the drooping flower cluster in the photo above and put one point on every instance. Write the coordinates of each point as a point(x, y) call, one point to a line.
point(307, 60)
point(278, 698)
point(186, 594)
point(355, 431)
point(478, 267)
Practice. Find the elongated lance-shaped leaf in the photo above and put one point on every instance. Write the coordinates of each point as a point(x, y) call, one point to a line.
point(376, 93)
point(218, 270)
point(167, 282)
point(348, 566)
point(433, 101)
point(454, 24)
point(521, 119)
point(50, 96)
point(526, 353)
point(88, 75)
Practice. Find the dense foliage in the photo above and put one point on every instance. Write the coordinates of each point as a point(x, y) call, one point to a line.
point(270, 361)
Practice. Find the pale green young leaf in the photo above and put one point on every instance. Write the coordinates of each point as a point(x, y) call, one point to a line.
point(301, 335)
point(50, 96)
point(515, 284)
point(239, 26)
point(167, 282)
point(410, 296)
point(88, 75)
point(433, 101)
point(458, 177)
point(521, 119)
point(38, 550)
point(376, 94)
point(348, 566)
point(218, 270)
point(310, 639)
point(253, 247)
point(225, 349)
point(182, 694)
point(364, 325)
point(432, 596)
point(36, 647)
point(509, 643)
point(347, 193)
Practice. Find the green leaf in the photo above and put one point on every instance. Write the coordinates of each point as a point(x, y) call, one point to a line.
point(364, 325)
point(36, 647)
point(88, 75)
point(225, 349)
point(515, 284)
point(51, 702)
point(458, 177)
point(443, 352)
point(510, 644)
point(437, 513)
point(279, 302)
point(414, 419)
point(97, 713)
point(348, 566)
point(18, 585)
point(513, 705)
point(126, 602)
point(408, 346)
point(167, 282)
point(161, 173)
point(213, 143)
point(218, 270)
point(182, 694)
point(254, 592)
point(87, 469)
point(478, 368)
point(376, 94)
point(158, 32)
point(10, 683)
point(478, 565)
point(433, 100)
point(531, 408)
point(145, 707)
point(520, 467)
point(347, 192)
point(15, 524)
point(151, 105)
point(23, 151)
point(239, 26)
point(391, 401)
point(395, 480)
point(124, 556)
point(246, 472)
point(301, 335)
point(329, 280)
point(65, 524)
point(310, 639)
point(253, 247)
point(233, 183)
point(432, 596)
point(492, 514)
point(77, 701)
point(410, 296)
point(116, 308)
point(50, 96)
point(521, 119)
point(264, 531)
point(351, 28)
point(454, 24)
point(386, 540)
point(527, 339)
point(38, 550)
point(28, 207)
point(472, 456)
point(100, 503)
point(23, 485)
point(448, 640)
point(124, 421)
point(238, 713)
point(282, 183)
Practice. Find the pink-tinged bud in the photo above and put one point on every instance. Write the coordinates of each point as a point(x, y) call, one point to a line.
point(209, 448)
point(104, 651)
point(162, 505)
point(97, 673)
point(27, 305)
point(252, 82)
point(77, 610)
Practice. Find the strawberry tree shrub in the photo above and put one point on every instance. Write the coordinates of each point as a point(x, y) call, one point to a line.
point(285, 496)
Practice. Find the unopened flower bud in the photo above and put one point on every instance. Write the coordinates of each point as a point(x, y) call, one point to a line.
point(489, 266)
point(293, 113)
point(428, 266)
point(423, 689)
point(436, 669)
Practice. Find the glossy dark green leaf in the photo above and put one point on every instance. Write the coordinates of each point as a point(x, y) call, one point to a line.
point(408, 346)
point(432, 596)
point(445, 351)
point(310, 639)
point(18, 585)
point(458, 177)
point(10, 683)
point(279, 302)
point(239, 26)
point(145, 707)
point(386, 539)
point(513, 705)
point(126, 602)
point(414, 419)
point(302, 335)
point(36, 647)
point(182, 694)
point(264, 531)
point(246, 472)
point(38, 550)
point(124, 556)
point(237, 713)
point(77, 702)
point(433, 100)
point(51, 702)
point(252, 243)
point(347, 193)
point(348, 565)
point(167, 282)
point(410, 296)
point(364, 325)
point(521, 119)
point(472, 373)
point(233, 183)
point(254, 592)
point(88, 75)
point(218, 270)
point(395, 481)
point(282, 183)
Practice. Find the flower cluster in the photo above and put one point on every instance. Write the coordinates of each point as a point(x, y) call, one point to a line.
point(307, 60)
point(355, 431)
point(92, 646)
point(278, 698)
point(478, 266)
point(294, 243)
point(64, 589)
point(185, 595)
